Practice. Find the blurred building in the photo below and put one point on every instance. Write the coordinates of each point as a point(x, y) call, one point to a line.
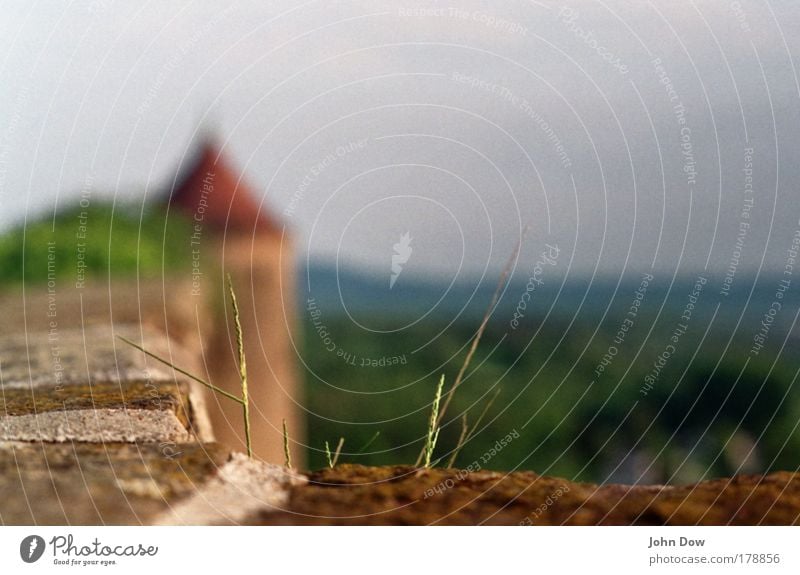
point(235, 234)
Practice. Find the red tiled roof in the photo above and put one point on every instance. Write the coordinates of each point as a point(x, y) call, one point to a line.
point(212, 193)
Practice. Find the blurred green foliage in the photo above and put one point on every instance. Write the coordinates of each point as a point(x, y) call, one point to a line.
point(696, 422)
point(120, 240)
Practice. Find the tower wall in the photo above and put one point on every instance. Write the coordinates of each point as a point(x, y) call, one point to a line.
point(261, 267)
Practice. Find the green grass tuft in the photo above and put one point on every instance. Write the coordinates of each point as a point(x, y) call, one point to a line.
point(433, 425)
point(242, 368)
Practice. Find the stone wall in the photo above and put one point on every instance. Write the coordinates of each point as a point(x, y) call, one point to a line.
point(188, 318)
point(93, 431)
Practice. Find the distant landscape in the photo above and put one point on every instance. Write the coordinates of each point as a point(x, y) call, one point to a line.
point(581, 411)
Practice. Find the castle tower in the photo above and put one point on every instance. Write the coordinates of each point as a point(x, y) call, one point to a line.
point(234, 234)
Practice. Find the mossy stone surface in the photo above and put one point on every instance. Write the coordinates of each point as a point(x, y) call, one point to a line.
point(128, 395)
point(356, 495)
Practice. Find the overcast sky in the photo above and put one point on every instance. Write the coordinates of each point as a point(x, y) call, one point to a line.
point(617, 131)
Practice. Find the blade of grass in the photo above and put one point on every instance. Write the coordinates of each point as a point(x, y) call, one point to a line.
point(433, 428)
point(481, 329)
point(429, 451)
point(242, 368)
point(287, 455)
point(328, 455)
point(465, 436)
point(338, 451)
point(168, 363)
point(483, 414)
point(467, 360)
point(244, 400)
point(461, 439)
point(370, 442)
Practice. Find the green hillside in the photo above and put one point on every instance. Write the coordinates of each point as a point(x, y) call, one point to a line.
point(84, 242)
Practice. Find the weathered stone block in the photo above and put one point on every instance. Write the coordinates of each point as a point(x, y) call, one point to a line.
point(93, 484)
point(87, 385)
point(243, 488)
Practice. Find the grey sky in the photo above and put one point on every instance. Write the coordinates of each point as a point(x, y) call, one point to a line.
point(457, 122)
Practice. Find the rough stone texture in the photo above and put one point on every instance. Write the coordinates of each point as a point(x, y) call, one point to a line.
point(351, 494)
point(99, 484)
point(242, 488)
point(87, 385)
point(96, 425)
